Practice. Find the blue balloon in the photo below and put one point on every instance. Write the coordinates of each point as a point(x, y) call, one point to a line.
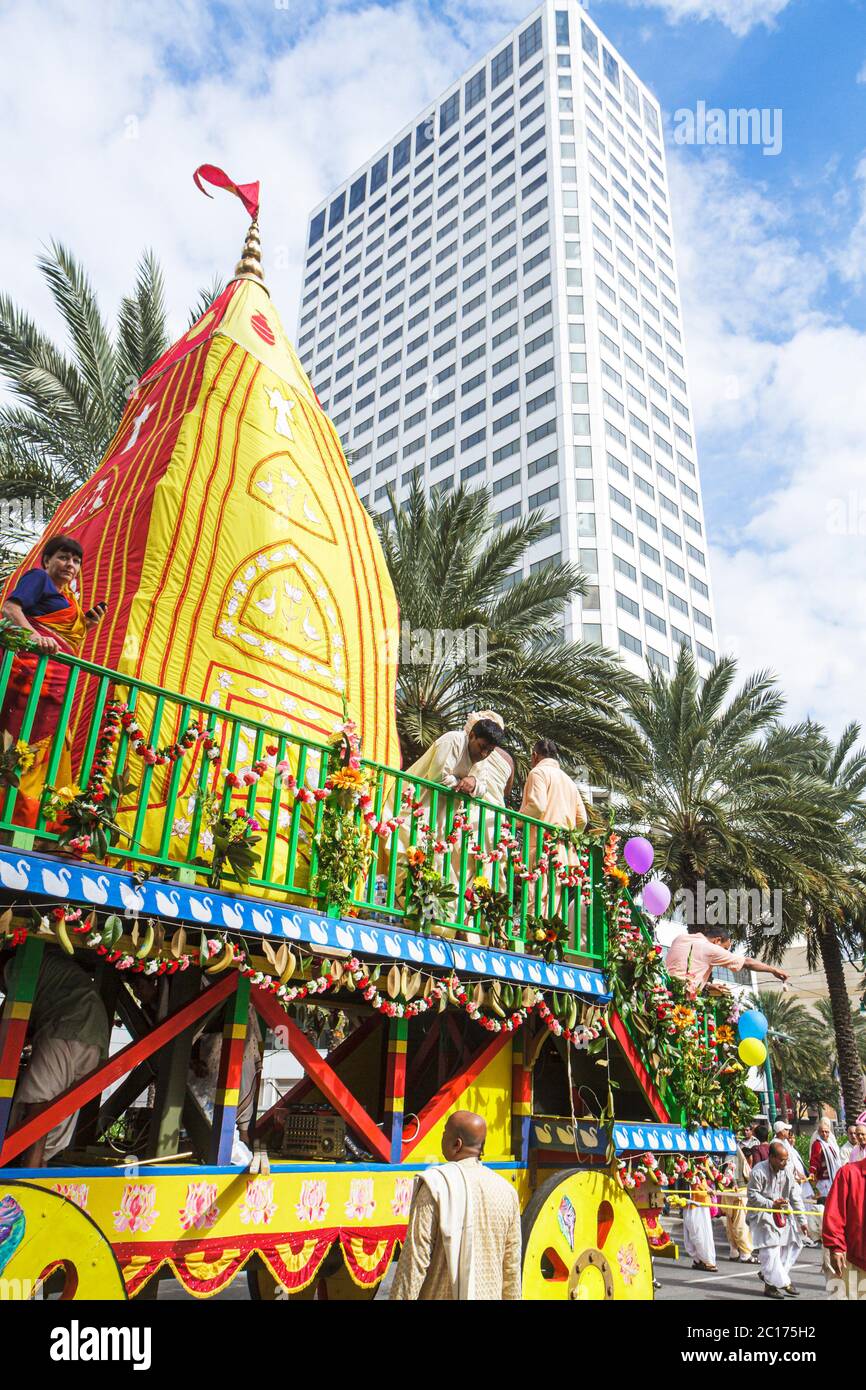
point(752, 1024)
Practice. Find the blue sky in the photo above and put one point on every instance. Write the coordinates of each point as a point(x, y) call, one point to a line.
point(108, 108)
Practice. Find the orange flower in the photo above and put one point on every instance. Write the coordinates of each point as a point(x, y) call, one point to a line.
point(415, 857)
point(682, 1017)
point(724, 1034)
point(349, 779)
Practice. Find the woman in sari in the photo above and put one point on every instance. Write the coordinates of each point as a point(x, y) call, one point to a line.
point(825, 1160)
point(44, 604)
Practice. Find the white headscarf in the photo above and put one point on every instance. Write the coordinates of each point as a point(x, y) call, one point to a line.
point(483, 714)
point(830, 1150)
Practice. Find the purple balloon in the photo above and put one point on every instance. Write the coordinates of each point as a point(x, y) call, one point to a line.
point(639, 854)
point(656, 898)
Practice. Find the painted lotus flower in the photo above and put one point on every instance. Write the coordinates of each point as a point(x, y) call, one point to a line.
point(629, 1266)
point(258, 1205)
point(77, 1192)
point(199, 1211)
point(137, 1211)
point(313, 1203)
point(361, 1203)
point(402, 1199)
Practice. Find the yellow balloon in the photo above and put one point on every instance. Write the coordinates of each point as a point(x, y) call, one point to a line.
point(752, 1052)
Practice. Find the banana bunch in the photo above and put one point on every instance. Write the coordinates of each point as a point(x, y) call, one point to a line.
point(565, 1008)
point(148, 940)
point(403, 983)
point(283, 961)
point(215, 964)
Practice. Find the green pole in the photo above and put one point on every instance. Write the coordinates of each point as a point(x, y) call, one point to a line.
point(771, 1099)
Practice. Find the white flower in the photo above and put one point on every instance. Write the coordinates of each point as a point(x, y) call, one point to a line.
point(207, 840)
point(269, 648)
point(227, 628)
point(181, 826)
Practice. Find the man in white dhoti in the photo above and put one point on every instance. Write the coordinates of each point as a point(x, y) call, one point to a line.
point(778, 1227)
point(463, 1237)
point(698, 1237)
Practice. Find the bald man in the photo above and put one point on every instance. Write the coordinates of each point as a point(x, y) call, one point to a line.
point(463, 1238)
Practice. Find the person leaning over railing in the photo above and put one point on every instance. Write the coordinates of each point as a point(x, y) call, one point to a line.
point(693, 955)
point(45, 605)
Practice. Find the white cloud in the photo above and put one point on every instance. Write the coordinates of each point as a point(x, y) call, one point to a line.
point(740, 16)
point(779, 406)
point(850, 261)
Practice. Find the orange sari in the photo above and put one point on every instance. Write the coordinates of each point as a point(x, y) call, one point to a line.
point(69, 628)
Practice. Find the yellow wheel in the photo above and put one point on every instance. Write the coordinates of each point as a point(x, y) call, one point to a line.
point(583, 1239)
point(48, 1243)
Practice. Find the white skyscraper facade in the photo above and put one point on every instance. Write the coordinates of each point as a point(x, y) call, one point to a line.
point(492, 299)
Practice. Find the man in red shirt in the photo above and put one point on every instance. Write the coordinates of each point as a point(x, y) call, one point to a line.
point(844, 1232)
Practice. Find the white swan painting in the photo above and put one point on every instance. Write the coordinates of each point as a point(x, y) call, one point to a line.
point(133, 898)
point(56, 882)
point(15, 877)
point(168, 904)
point(291, 927)
point(95, 890)
point(232, 916)
point(201, 908)
point(263, 921)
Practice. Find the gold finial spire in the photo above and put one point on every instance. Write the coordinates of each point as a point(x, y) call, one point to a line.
point(249, 267)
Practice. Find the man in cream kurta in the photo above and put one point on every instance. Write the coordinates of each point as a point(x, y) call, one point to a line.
point(550, 796)
point(463, 1237)
point(777, 1219)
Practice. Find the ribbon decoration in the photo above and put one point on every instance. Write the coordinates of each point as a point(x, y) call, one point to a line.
point(247, 192)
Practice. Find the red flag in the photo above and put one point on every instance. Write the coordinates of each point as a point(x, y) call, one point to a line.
point(247, 192)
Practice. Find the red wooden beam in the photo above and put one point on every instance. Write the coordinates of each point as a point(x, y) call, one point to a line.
point(443, 1100)
point(304, 1086)
point(641, 1075)
point(122, 1062)
point(323, 1075)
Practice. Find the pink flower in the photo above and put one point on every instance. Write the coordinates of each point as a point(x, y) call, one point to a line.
point(199, 1211)
point(258, 1205)
point(313, 1203)
point(137, 1208)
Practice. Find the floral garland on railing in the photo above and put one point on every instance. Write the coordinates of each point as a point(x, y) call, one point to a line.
point(635, 1172)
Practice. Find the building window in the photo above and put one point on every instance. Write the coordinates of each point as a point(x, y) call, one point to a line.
point(502, 66)
point(357, 193)
point(449, 112)
point(475, 89)
point(611, 69)
point(379, 173)
point(589, 41)
point(402, 154)
point(338, 208)
point(631, 644)
point(530, 41)
point(317, 228)
point(562, 39)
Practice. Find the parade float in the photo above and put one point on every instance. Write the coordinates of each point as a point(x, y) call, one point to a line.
point(239, 836)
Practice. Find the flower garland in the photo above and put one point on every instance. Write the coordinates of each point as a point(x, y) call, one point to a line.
point(635, 1172)
point(118, 715)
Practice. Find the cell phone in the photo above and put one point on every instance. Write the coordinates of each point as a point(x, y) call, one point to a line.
point(96, 611)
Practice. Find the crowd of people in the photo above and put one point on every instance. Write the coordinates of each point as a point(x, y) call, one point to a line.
point(764, 1203)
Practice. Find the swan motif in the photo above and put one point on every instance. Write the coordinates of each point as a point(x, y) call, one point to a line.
point(319, 933)
point(415, 951)
point(477, 960)
point(568, 979)
point(637, 1139)
point(15, 877)
point(291, 927)
point(652, 1139)
point(438, 953)
point(535, 974)
point(369, 942)
point(95, 890)
point(694, 1141)
point(498, 966)
point(680, 1141)
point(516, 970)
point(268, 606)
point(201, 908)
point(263, 921)
point(588, 1137)
point(620, 1138)
point(392, 945)
point(585, 982)
point(232, 916)
point(133, 898)
point(667, 1140)
point(543, 1133)
point(459, 959)
point(168, 903)
point(565, 1135)
point(346, 940)
point(56, 882)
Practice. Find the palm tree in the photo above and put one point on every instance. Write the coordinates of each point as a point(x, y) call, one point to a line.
point(824, 1008)
point(728, 798)
point(455, 570)
point(826, 904)
point(69, 402)
point(797, 1047)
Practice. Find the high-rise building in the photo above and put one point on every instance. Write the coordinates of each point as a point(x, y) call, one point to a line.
point(492, 299)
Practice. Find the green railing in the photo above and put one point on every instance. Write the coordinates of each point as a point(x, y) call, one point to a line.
point(165, 826)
